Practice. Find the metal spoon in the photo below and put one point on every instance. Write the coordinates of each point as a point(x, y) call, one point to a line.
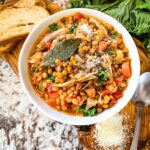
point(141, 98)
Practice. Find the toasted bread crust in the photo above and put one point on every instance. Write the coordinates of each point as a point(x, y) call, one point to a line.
point(16, 22)
point(18, 17)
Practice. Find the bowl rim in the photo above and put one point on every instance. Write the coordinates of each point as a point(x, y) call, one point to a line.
point(62, 117)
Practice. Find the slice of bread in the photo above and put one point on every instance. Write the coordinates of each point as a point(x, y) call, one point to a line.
point(17, 22)
point(23, 3)
point(30, 3)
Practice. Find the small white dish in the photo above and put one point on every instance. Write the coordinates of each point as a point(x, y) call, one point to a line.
point(62, 117)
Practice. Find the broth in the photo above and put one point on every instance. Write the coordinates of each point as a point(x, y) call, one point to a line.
point(85, 77)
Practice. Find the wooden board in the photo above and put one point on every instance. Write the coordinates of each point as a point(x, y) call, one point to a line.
point(85, 132)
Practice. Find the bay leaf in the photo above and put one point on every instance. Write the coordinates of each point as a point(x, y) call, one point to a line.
point(62, 51)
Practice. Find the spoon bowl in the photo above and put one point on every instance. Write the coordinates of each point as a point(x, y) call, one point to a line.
point(140, 98)
point(142, 93)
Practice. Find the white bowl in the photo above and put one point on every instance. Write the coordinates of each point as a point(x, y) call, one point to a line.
point(59, 116)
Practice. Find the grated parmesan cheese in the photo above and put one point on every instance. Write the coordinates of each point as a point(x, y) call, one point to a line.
point(110, 132)
point(92, 61)
point(85, 28)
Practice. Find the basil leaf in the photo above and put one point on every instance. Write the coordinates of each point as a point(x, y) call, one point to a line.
point(62, 51)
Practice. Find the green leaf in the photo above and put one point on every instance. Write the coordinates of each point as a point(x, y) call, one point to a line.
point(133, 14)
point(62, 51)
point(53, 27)
point(77, 3)
point(81, 109)
point(144, 5)
point(73, 28)
point(50, 77)
point(95, 2)
point(89, 112)
point(103, 75)
point(111, 52)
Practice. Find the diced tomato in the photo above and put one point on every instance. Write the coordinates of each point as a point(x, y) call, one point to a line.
point(48, 45)
point(106, 91)
point(74, 95)
point(58, 62)
point(78, 86)
point(113, 101)
point(91, 92)
point(49, 88)
point(53, 95)
point(126, 69)
point(52, 102)
point(78, 16)
point(118, 95)
point(119, 79)
point(80, 101)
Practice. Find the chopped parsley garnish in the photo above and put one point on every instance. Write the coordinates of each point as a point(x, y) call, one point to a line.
point(89, 112)
point(113, 36)
point(50, 77)
point(111, 52)
point(103, 75)
point(73, 28)
point(53, 27)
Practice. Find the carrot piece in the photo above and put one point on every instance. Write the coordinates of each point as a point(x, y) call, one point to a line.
point(91, 92)
point(52, 102)
point(126, 70)
point(106, 91)
point(53, 95)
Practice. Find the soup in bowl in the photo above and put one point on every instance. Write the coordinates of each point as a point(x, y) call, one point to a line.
point(79, 66)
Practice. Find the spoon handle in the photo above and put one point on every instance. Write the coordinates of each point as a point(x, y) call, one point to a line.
point(139, 108)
